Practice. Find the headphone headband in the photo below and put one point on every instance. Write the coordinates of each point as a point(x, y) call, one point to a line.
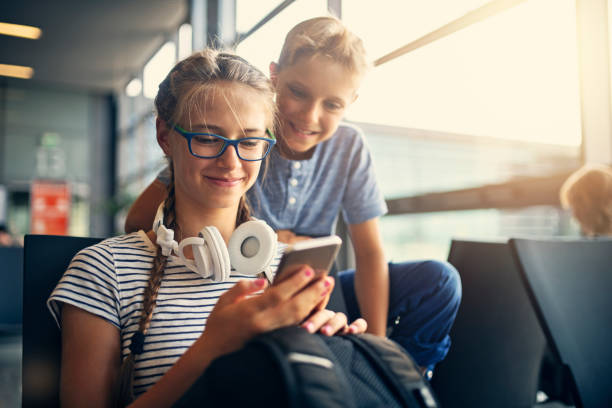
point(212, 260)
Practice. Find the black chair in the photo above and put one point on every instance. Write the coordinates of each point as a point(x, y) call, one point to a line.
point(11, 272)
point(570, 286)
point(497, 342)
point(46, 257)
point(11, 289)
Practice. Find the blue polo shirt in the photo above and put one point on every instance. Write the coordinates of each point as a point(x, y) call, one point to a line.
point(306, 196)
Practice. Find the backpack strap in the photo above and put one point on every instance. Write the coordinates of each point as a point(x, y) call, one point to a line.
point(397, 368)
point(312, 375)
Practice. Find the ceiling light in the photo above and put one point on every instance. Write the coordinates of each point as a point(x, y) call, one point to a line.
point(17, 30)
point(185, 41)
point(157, 68)
point(16, 71)
point(133, 87)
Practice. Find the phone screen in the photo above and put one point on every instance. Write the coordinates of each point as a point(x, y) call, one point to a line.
point(318, 253)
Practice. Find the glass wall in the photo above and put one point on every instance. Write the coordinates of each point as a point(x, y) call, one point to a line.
point(428, 236)
point(265, 44)
point(139, 157)
point(489, 103)
point(432, 161)
point(410, 162)
point(492, 102)
point(513, 76)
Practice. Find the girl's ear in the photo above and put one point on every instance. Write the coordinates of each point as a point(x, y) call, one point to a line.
point(163, 135)
point(273, 73)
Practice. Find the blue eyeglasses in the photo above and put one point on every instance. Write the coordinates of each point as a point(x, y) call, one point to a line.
point(209, 145)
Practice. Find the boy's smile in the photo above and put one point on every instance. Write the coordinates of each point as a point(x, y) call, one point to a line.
point(312, 95)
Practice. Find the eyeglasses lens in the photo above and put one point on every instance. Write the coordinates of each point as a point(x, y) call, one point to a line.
point(211, 146)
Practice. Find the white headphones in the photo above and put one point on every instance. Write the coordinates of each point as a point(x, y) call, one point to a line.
point(251, 249)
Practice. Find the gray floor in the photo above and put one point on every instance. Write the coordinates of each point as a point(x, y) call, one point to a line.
point(10, 371)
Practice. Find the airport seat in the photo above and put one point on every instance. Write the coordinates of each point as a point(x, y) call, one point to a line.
point(11, 271)
point(570, 286)
point(497, 342)
point(11, 259)
point(46, 257)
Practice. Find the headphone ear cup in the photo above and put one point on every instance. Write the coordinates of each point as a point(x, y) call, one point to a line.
point(252, 247)
point(202, 258)
point(218, 255)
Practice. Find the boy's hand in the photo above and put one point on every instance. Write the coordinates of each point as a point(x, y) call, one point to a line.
point(329, 323)
point(288, 237)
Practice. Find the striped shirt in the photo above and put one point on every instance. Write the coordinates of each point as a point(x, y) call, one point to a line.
point(108, 280)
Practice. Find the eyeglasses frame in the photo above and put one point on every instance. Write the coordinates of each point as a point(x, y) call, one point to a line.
point(226, 142)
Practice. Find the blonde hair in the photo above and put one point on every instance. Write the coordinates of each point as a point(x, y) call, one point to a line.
point(189, 86)
point(588, 193)
point(326, 36)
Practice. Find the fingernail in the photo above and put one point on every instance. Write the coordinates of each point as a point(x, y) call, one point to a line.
point(259, 282)
point(309, 327)
point(352, 329)
point(326, 329)
point(308, 272)
point(327, 282)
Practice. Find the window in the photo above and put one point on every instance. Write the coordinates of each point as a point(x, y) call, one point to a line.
point(185, 41)
point(157, 68)
point(249, 12)
point(512, 76)
point(494, 101)
point(428, 236)
point(389, 24)
point(264, 46)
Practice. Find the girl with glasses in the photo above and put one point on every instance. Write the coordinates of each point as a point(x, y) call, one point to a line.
point(320, 167)
point(132, 316)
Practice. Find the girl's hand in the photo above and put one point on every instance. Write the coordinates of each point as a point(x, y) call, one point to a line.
point(330, 323)
point(237, 318)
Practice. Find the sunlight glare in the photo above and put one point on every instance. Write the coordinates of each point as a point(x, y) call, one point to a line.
point(512, 76)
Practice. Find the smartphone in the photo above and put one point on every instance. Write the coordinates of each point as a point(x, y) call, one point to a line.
point(318, 253)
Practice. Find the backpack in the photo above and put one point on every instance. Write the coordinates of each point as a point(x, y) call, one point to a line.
point(290, 367)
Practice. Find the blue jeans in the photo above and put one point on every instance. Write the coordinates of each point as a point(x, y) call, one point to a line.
point(424, 297)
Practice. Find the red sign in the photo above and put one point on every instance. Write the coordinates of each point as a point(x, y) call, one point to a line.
point(50, 207)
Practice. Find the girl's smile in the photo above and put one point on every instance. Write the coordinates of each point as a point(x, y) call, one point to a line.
point(233, 111)
point(225, 181)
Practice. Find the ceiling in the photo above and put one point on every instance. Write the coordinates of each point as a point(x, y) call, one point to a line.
point(89, 44)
